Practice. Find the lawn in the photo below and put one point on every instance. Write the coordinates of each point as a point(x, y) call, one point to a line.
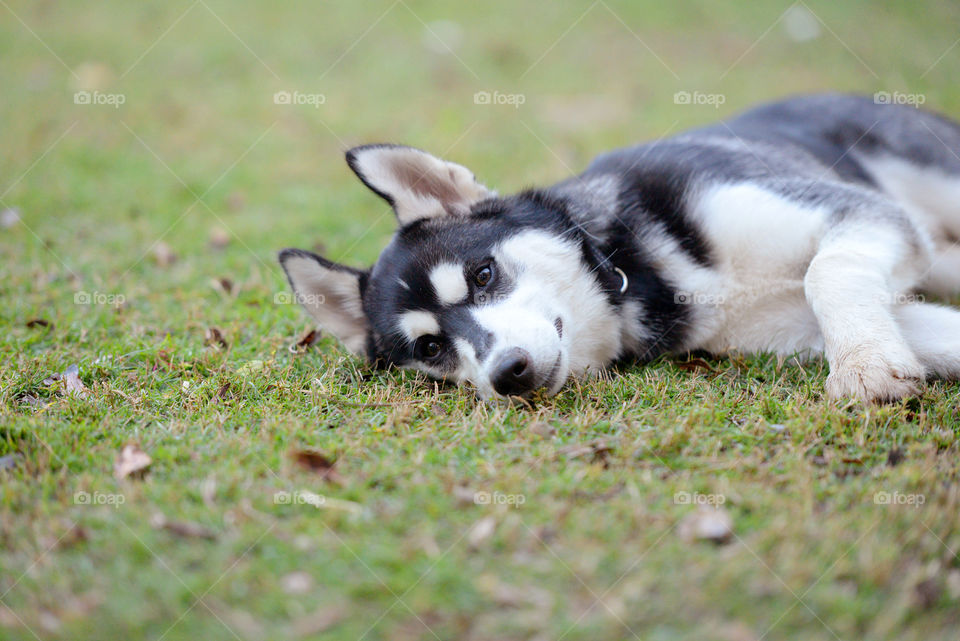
point(150, 171)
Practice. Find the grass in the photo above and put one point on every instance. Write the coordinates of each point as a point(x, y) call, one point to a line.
point(580, 539)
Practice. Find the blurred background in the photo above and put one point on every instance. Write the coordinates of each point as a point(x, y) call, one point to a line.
point(186, 138)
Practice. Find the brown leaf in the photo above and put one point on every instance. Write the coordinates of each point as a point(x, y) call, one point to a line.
point(184, 529)
point(9, 217)
point(695, 364)
point(598, 449)
point(303, 343)
point(39, 322)
point(132, 462)
point(214, 337)
point(163, 254)
point(542, 429)
point(224, 285)
point(928, 592)
point(297, 582)
point(74, 385)
point(219, 238)
point(481, 531)
point(314, 461)
point(708, 524)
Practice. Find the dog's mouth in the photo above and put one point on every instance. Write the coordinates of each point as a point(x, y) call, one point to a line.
point(550, 381)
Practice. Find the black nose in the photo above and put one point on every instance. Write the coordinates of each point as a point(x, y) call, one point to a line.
point(513, 373)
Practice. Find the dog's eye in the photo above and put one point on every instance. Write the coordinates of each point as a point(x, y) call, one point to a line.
point(428, 347)
point(483, 276)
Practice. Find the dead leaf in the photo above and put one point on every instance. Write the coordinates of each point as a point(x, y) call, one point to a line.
point(928, 593)
point(314, 461)
point(219, 238)
point(303, 343)
point(298, 582)
point(543, 429)
point(92, 76)
point(236, 200)
point(598, 449)
point(184, 529)
point(223, 393)
point(163, 254)
point(707, 524)
point(695, 364)
point(214, 337)
point(224, 285)
point(132, 462)
point(9, 217)
point(9, 461)
point(39, 322)
point(895, 457)
point(481, 531)
point(75, 386)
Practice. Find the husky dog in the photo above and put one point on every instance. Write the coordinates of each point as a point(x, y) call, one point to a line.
point(803, 227)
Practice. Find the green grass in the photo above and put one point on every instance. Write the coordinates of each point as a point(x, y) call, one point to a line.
point(400, 550)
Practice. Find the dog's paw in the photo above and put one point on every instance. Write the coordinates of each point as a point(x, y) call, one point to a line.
point(875, 379)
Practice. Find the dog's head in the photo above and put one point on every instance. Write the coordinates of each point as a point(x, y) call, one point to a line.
point(503, 293)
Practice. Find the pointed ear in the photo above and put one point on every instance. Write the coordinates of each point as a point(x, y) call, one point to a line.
point(416, 184)
point(330, 293)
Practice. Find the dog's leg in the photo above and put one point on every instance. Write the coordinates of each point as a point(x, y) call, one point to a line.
point(852, 285)
point(933, 332)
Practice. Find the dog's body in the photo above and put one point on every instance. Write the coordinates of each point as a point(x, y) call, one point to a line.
point(801, 227)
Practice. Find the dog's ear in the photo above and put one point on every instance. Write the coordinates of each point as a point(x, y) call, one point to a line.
point(416, 184)
point(330, 293)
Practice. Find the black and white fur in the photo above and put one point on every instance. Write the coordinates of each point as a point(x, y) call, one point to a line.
point(801, 227)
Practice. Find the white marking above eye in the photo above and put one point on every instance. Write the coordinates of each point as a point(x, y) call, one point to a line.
point(418, 323)
point(449, 283)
